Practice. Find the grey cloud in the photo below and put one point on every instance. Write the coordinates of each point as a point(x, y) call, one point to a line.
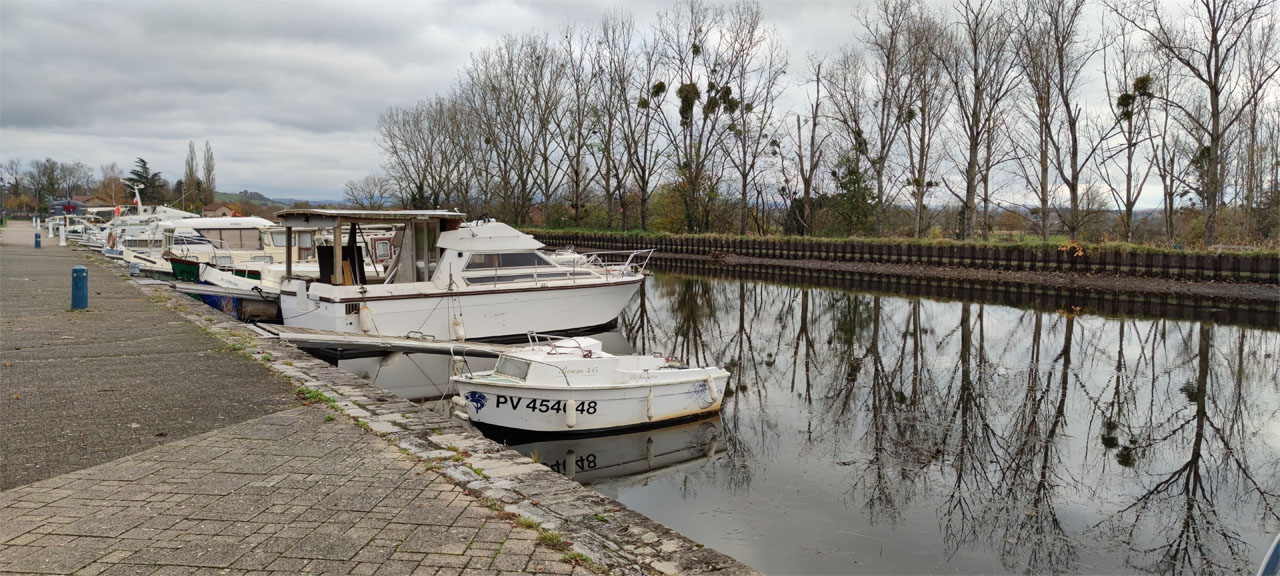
point(287, 92)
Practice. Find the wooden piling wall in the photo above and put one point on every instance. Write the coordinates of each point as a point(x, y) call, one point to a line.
point(1263, 268)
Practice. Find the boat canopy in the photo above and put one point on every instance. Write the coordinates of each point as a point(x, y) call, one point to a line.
point(487, 236)
point(327, 218)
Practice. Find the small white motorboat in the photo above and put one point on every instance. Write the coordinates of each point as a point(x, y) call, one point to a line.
point(573, 385)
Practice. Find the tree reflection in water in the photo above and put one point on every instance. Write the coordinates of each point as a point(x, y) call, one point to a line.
point(1055, 442)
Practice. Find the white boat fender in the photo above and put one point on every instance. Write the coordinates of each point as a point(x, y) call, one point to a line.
point(458, 401)
point(459, 332)
point(366, 318)
point(711, 447)
point(571, 413)
point(570, 463)
point(711, 390)
point(461, 416)
point(648, 401)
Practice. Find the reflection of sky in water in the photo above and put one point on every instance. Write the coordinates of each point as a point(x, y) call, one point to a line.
point(860, 443)
point(883, 435)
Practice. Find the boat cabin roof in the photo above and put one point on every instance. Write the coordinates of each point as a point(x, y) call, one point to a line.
point(215, 223)
point(323, 217)
point(487, 236)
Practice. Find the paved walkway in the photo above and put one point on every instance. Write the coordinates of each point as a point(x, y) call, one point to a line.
point(83, 388)
point(285, 493)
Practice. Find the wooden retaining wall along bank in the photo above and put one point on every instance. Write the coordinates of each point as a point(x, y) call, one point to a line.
point(1257, 268)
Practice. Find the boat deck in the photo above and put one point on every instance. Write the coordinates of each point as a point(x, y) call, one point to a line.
point(312, 338)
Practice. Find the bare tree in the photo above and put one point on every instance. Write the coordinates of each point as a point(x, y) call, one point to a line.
point(696, 54)
point(111, 183)
point(1069, 52)
point(578, 126)
point(210, 185)
point(1038, 108)
point(543, 81)
point(614, 66)
point(809, 154)
point(924, 107)
point(402, 134)
point(1165, 145)
point(1129, 95)
point(190, 181)
point(373, 192)
point(867, 95)
point(1207, 43)
point(13, 179)
point(978, 61)
point(639, 72)
point(756, 78)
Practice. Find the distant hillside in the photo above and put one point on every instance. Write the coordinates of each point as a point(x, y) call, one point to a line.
point(258, 198)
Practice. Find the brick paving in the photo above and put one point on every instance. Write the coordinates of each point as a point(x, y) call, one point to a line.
point(285, 493)
point(83, 388)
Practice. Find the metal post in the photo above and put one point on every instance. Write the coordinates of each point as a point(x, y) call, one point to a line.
point(49, 221)
point(62, 233)
point(79, 288)
point(288, 252)
point(37, 237)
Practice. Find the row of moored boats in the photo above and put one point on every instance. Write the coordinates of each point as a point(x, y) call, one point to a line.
point(430, 274)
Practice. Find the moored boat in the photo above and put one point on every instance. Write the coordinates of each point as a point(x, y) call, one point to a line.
point(572, 385)
point(451, 280)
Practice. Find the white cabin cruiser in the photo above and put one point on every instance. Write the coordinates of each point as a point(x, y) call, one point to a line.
point(135, 231)
point(572, 385)
point(451, 281)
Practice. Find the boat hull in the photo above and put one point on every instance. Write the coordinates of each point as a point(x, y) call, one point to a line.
point(594, 409)
point(480, 315)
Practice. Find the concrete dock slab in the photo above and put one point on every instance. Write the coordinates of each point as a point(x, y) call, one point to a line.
point(79, 388)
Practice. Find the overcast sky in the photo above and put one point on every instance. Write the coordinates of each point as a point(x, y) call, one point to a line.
point(286, 92)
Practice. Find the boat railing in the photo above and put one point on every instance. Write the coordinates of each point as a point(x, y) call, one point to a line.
point(536, 339)
point(467, 364)
point(620, 262)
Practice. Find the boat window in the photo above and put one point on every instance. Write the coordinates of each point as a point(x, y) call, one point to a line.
point(482, 262)
point(234, 239)
point(510, 260)
point(541, 277)
point(523, 259)
point(305, 239)
point(382, 249)
point(277, 238)
point(512, 367)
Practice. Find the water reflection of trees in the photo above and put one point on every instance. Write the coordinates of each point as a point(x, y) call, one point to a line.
point(995, 417)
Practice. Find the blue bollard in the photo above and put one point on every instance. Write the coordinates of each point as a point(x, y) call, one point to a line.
point(37, 239)
point(79, 288)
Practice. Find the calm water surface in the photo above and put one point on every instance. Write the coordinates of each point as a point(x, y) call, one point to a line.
point(872, 434)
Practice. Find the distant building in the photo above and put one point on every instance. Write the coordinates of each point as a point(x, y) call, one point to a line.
point(94, 201)
point(217, 210)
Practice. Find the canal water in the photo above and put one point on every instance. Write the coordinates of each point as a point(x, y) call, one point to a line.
point(876, 434)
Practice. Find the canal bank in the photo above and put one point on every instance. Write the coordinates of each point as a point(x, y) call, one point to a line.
point(1226, 276)
point(361, 481)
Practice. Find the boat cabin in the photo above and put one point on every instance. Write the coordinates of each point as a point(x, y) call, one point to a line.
point(411, 248)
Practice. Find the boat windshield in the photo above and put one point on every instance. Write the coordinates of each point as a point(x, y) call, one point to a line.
point(512, 367)
point(484, 261)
